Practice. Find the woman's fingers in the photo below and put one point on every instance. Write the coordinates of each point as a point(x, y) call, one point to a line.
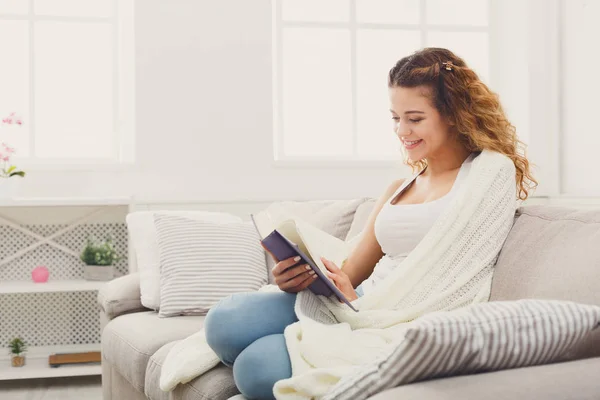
point(336, 278)
point(281, 266)
point(293, 272)
point(307, 282)
point(298, 280)
point(330, 265)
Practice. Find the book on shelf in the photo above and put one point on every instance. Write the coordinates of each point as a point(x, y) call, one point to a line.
point(286, 235)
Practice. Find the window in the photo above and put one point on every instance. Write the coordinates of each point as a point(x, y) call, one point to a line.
point(331, 60)
point(67, 68)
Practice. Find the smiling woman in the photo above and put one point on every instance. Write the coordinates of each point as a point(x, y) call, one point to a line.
point(445, 118)
point(442, 112)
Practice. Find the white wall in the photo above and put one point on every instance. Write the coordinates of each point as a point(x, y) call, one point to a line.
point(204, 115)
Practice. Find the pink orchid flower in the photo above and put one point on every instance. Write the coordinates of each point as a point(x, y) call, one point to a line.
point(13, 119)
point(8, 149)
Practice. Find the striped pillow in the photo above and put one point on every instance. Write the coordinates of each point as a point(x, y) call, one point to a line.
point(483, 337)
point(203, 262)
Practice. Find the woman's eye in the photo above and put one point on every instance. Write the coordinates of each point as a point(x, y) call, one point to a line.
point(396, 118)
point(416, 120)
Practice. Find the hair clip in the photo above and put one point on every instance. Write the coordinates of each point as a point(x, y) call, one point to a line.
point(448, 65)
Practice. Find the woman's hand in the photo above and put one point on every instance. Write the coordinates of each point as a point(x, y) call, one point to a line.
point(340, 279)
point(292, 279)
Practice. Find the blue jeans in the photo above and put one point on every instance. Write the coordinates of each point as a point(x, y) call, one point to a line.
point(246, 332)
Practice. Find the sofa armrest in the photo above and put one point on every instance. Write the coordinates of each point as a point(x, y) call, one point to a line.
point(121, 296)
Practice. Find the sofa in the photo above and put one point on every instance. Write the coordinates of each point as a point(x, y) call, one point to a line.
point(550, 253)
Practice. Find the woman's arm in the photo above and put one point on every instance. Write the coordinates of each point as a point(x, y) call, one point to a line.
point(362, 260)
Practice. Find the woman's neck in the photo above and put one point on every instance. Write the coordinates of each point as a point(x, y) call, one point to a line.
point(440, 165)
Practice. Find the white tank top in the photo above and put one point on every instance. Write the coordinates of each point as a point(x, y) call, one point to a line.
point(400, 227)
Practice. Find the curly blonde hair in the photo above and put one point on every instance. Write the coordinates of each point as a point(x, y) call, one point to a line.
point(468, 105)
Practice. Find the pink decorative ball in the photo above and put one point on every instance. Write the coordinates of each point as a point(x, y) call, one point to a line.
point(40, 274)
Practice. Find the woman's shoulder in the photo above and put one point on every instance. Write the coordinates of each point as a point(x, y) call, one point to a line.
point(392, 188)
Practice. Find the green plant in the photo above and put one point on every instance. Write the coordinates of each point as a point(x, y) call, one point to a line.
point(17, 346)
point(99, 252)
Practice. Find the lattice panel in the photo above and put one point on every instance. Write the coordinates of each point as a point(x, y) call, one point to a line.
point(48, 319)
point(61, 265)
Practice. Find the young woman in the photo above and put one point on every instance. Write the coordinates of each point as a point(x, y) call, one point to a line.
point(444, 116)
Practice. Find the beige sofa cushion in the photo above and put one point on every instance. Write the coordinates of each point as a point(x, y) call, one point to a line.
point(215, 384)
point(361, 216)
point(130, 340)
point(568, 380)
point(552, 253)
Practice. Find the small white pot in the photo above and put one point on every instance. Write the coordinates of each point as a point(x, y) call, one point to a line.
point(9, 187)
point(98, 272)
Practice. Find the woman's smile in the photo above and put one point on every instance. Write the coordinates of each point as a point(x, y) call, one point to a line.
point(409, 145)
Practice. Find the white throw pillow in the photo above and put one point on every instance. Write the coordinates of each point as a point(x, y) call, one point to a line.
point(203, 262)
point(142, 234)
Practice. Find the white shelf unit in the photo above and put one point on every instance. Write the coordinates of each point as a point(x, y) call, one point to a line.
point(64, 201)
point(36, 365)
point(74, 285)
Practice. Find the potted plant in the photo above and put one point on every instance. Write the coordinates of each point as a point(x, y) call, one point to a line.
point(99, 258)
point(17, 349)
point(7, 169)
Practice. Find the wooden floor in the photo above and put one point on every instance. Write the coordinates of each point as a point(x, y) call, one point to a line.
point(75, 388)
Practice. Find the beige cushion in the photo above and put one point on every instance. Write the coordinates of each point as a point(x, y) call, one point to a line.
point(562, 381)
point(482, 337)
point(215, 384)
point(130, 340)
point(360, 218)
point(332, 216)
point(552, 253)
point(121, 296)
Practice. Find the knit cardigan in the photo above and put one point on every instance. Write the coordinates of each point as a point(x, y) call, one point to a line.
point(451, 267)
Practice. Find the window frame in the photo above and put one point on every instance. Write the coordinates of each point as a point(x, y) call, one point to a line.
point(282, 161)
point(123, 71)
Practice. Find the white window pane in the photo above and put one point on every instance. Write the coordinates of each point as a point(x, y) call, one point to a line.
point(458, 12)
point(74, 8)
point(580, 139)
point(388, 11)
point(377, 52)
point(317, 94)
point(74, 89)
point(315, 10)
point(472, 47)
point(14, 6)
point(14, 83)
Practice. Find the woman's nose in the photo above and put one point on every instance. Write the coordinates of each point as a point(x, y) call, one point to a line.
point(401, 130)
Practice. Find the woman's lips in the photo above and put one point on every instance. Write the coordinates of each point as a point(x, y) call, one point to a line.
point(412, 144)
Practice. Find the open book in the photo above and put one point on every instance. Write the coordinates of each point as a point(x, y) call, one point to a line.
point(286, 235)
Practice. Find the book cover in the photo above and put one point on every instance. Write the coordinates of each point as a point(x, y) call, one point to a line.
point(295, 238)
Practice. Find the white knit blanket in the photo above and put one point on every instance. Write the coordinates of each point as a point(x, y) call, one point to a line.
point(451, 267)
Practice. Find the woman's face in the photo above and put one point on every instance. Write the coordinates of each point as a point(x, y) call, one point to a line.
point(423, 132)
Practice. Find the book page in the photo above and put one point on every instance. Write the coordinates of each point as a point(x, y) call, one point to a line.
point(320, 243)
point(270, 218)
point(263, 224)
point(314, 242)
